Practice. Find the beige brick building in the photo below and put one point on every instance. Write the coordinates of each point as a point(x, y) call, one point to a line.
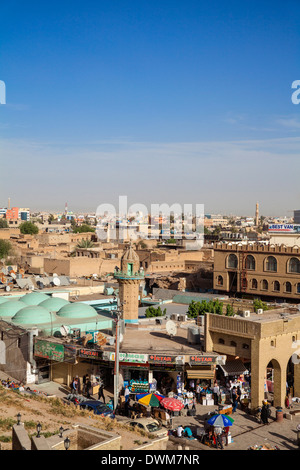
point(262, 270)
point(265, 341)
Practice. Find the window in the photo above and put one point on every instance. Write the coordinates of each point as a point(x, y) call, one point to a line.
point(298, 288)
point(254, 283)
point(232, 261)
point(221, 341)
point(265, 284)
point(294, 265)
point(288, 287)
point(220, 280)
point(233, 343)
point(245, 346)
point(250, 262)
point(276, 286)
point(272, 344)
point(271, 264)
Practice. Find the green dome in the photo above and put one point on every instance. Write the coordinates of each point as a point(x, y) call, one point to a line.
point(11, 307)
point(77, 310)
point(34, 298)
point(3, 299)
point(33, 314)
point(53, 304)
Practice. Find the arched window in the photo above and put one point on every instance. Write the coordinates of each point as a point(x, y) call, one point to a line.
point(254, 283)
point(232, 261)
point(233, 343)
point(271, 263)
point(298, 288)
point(294, 265)
point(288, 287)
point(265, 284)
point(220, 280)
point(221, 341)
point(250, 262)
point(276, 286)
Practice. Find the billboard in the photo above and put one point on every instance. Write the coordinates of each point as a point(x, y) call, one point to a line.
point(284, 228)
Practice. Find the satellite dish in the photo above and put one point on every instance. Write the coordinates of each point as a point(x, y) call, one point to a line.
point(171, 328)
point(64, 330)
point(56, 281)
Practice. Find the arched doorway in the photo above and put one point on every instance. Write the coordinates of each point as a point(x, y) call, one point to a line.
point(275, 383)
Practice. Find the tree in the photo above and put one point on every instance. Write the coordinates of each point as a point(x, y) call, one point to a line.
point(29, 228)
point(155, 312)
point(85, 244)
point(259, 304)
point(5, 249)
point(199, 308)
point(3, 223)
point(229, 310)
point(83, 228)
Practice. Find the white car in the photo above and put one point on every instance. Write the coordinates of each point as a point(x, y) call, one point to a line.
point(149, 425)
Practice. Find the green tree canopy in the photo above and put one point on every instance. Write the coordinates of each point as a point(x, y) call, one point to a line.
point(83, 228)
point(29, 228)
point(204, 306)
point(5, 249)
point(155, 312)
point(3, 223)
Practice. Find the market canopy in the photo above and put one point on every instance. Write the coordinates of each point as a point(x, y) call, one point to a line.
point(235, 367)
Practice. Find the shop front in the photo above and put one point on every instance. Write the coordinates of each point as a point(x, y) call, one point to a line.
point(166, 373)
point(134, 370)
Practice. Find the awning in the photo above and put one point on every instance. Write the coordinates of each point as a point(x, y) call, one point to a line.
point(235, 367)
point(200, 374)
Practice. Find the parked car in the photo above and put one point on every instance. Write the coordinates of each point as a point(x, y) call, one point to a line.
point(98, 407)
point(149, 425)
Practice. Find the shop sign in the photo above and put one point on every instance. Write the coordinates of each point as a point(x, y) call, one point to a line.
point(89, 353)
point(53, 351)
point(70, 353)
point(202, 360)
point(161, 359)
point(129, 357)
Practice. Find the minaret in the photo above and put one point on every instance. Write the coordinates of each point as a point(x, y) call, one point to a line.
point(257, 215)
point(129, 279)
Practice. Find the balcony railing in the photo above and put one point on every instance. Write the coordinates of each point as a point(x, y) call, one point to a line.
point(121, 275)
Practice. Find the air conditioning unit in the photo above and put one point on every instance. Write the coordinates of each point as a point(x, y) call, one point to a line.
point(193, 335)
point(259, 311)
point(246, 313)
point(182, 317)
point(174, 316)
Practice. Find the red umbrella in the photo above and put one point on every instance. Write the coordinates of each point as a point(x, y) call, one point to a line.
point(172, 404)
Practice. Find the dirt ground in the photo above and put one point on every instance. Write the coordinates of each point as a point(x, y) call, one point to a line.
point(52, 413)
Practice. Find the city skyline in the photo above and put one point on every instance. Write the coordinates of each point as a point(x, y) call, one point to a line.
point(165, 103)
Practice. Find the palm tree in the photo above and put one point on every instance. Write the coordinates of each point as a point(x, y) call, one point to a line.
point(85, 244)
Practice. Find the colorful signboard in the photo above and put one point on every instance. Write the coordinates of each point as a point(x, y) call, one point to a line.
point(284, 228)
point(202, 360)
point(89, 353)
point(129, 357)
point(48, 350)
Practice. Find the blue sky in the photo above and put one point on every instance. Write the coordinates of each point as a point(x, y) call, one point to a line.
point(176, 102)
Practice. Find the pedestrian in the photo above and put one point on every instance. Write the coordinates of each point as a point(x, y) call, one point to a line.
point(180, 431)
point(219, 437)
point(239, 393)
point(216, 392)
point(88, 387)
point(78, 385)
point(234, 404)
point(126, 393)
point(84, 379)
point(101, 392)
point(198, 392)
point(265, 413)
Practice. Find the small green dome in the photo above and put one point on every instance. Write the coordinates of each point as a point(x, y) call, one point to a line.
point(3, 299)
point(53, 304)
point(77, 310)
point(11, 307)
point(33, 314)
point(34, 298)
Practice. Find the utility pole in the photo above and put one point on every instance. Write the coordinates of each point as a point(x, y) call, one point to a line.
point(118, 314)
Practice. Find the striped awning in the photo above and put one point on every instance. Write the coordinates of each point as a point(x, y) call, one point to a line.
point(200, 374)
point(235, 367)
